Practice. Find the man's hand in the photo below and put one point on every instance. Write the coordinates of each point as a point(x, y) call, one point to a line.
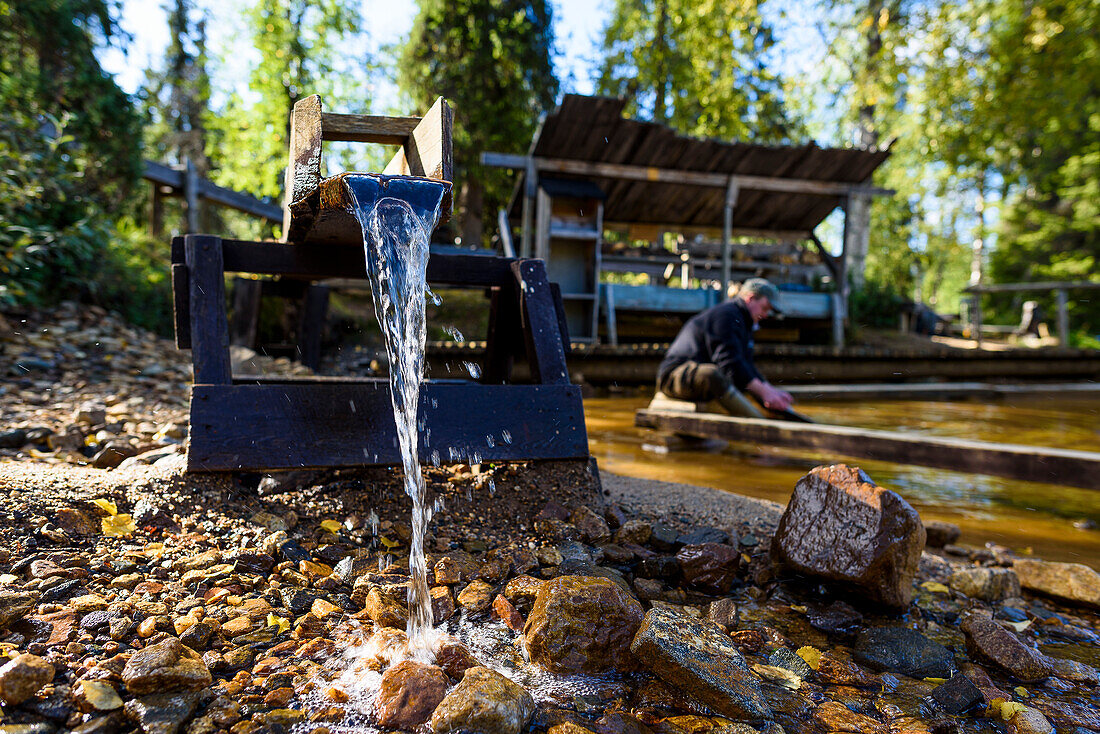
point(772, 397)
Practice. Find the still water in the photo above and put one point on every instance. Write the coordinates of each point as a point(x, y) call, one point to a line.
point(1021, 515)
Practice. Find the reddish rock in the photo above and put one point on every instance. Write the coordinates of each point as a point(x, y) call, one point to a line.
point(455, 568)
point(505, 612)
point(386, 609)
point(523, 589)
point(582, 624)
point(594, 529)
point(840, 526)
point(443, 604)
point(484, 701)
point(988, 642)
point(22, 677)
point(709, 566)
point(455, 658)
point(836, 717)
point(410, 692)
point(476, 597)
point(833, 670)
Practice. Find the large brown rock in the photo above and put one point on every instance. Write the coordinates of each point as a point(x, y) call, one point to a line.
point(486, 702)
point(988, 642)
point(841, 526)
point(1072, 582)
point(582, 624)
point(163, 667)
point(410, 692)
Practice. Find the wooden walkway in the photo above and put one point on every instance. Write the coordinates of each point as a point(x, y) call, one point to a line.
point(1013, 461)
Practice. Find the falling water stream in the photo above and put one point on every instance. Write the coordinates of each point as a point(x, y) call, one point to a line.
point(398, 216)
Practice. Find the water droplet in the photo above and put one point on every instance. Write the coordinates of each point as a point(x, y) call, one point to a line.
point(473, 369)
point(454, 333)
point(490, 441)
point(433, 297)
point(506, 435)
point(434, 458)
point(469, 493)
point(492, 487)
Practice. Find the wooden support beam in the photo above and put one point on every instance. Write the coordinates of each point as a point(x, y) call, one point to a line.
point(691, 178)
point(1048, 285)
point(1028, 463)
point(1063, 317)
point(191, 197)
point(367, 128)
point(209, 328)
point(426, 151)
point(261, 427)
point(732, 191)
point(164, 177)
point(545, 348)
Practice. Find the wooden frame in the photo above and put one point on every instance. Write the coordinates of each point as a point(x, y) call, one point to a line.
point(317, 209)
point(257, 424)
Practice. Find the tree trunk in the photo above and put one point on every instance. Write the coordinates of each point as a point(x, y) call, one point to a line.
point(660, 43)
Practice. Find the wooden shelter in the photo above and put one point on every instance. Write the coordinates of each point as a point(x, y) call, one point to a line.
point(652, 176)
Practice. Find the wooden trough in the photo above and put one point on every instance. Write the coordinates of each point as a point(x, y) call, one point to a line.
point(289, 423)
point(1013, 461)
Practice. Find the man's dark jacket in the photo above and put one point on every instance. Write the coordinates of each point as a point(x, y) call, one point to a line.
point(721, 335)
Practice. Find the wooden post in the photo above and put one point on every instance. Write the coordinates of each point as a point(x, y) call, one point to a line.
point(156, 216)
point(609, 304)
point(545, 351)
point(531, 187)
point(727, 236)
point(311, 324)
point(857, 226)
point(245, 319)
point(976, 318)
point(542, 226)
point(191, 196)
point(1063, 318)
point(209, 329)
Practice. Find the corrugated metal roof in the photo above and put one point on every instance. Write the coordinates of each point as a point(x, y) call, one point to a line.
point(593, 129)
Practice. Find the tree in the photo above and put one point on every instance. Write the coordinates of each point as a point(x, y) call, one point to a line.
point(69, 149)
point(177, 97)
point(698, 66)
point(492, 60)
point(298, 42)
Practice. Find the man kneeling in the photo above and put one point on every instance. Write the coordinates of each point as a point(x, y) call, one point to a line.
point(711, 357)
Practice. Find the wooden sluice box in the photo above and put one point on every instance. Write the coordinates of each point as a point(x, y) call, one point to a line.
point(250, 423)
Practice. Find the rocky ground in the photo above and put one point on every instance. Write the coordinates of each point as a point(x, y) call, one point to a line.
point(135, 597)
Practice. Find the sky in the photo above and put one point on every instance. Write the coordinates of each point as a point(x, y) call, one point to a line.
point(577, 22)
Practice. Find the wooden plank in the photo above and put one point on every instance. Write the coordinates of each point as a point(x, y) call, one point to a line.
point(937, 390)
point(312, 263)
point(265, 427)
point(1049, 285)
point(427, 150)
point(367, 128)
point(504, 335)
point(209, 329)
point(545, 351)
point(181, 306)
point(240, 202)
point(303, 173)
point(693, 178)
point(1013, 461)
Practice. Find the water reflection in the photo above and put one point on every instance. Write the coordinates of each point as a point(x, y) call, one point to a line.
point(1018, 514)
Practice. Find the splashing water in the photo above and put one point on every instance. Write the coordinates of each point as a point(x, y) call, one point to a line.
point(397, 216)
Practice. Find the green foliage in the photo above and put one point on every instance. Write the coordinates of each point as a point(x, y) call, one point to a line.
point(492, 60)
point(876, 305)
point(296, 41)
point(700, 66)
point(68, 154)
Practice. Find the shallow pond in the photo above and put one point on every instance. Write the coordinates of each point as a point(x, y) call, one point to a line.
point(1018, 514)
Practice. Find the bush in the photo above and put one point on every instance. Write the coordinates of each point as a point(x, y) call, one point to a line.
point(877, 305)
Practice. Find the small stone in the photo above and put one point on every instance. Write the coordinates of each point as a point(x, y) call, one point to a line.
point(1029, 721)
point(506, 613)
point(165, 666)
point(443, 604)
point(836, 717)
point(1071, 582)
point(197, 636)
point(386, 609)
point(476, 597)
point(98, 695)
point(162, 713)
point(940, 533)
point(987, 641)
point(723, 612)
point(14, 604)
point(702, 536)
point(486, 702)
point(22, 677)
point(582, 624)
point(836, 619)
point(633, 531)
point(523, 590)
point(831, 669)
point(455, 658)
point(409, 694)
point(701, 660)
point(783, 657)
point(455, 568)
point(902, 650)
point(709, 566)
point(88, 603)
point(593, 528)
point(957, 695)
point(987, 584)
